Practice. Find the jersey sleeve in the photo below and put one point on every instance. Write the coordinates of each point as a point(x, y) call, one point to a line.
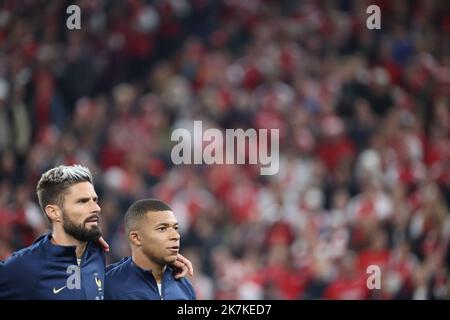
point(16, 279)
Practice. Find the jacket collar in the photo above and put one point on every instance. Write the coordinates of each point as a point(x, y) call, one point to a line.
point(58, 250)
point(147, 274)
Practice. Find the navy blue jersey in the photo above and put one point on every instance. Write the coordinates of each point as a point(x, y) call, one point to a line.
point(127, 281)
point(48, 271)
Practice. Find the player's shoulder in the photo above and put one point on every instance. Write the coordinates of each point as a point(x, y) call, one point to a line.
point(24, 264)
point(116, 279)
point(119, 268)
point(32, 252)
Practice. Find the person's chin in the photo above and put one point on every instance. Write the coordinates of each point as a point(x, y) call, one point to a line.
point(94, 233)
point(171, 259)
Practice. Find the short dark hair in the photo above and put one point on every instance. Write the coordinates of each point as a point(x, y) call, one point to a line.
point(54, 183)
point(138, 210)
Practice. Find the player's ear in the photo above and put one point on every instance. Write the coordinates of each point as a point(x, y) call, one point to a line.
point(135, 238)
point(53, 212)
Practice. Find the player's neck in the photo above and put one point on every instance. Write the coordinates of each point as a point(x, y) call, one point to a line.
point(61, 238)
point(145, 263)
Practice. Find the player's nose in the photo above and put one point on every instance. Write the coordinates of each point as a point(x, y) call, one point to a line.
point(96, 208)
point(175, 235)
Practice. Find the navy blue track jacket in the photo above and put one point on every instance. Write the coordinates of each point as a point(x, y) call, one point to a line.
point(48, 271)
point(127, 281)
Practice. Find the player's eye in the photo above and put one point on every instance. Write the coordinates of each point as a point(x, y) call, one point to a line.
point(162, 228)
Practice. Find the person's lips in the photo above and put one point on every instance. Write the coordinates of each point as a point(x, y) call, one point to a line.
point(174, 249)
point(92, 219)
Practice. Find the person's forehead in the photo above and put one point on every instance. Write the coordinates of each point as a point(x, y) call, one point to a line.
point(81, 189)
point(156, 217)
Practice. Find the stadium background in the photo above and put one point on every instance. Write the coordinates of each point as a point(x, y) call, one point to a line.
point(364, 125)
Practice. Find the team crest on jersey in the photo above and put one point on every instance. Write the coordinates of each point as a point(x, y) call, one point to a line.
point(98, 282)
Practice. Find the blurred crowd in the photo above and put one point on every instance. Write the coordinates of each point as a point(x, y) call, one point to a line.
point(364, 120)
